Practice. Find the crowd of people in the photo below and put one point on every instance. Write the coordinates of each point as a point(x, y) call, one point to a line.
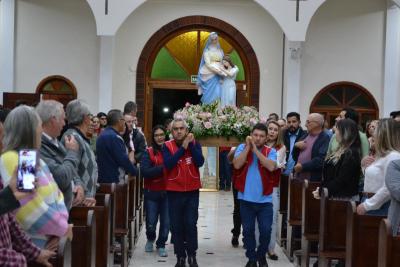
point(79, 150)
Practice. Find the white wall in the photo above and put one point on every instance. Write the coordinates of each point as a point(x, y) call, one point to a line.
point(57, 37)
point(345, 42)
point(260, 29)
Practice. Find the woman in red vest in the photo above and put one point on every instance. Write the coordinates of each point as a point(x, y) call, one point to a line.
point(275, 140)
point(155, 196)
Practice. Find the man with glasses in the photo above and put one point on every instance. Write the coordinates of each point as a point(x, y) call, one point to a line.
point(313, 148)
point(182, 159)
point(112, 159)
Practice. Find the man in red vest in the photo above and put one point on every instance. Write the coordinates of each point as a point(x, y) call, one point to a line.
point(253, 165)
point(182, 159)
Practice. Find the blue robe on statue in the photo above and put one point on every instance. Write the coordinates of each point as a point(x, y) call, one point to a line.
point(210, 73)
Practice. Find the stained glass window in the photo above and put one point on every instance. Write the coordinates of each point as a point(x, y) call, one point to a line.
point(180, 57)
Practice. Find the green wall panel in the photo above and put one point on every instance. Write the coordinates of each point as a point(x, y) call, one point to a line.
point(165, 67)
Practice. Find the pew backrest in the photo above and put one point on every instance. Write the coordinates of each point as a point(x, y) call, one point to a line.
point(389, 246)
point(103, 218)
point(295, 201)
point(110, 189)
point(310, 210)
point(332, 229)
point(361, 238)
point(84, 241)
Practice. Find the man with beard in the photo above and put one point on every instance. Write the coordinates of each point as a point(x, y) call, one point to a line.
point(292, 135)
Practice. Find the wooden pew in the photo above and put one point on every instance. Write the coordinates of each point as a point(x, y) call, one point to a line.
point(119, 230)
point(362, 237)
point(103, 220)
point(332, 229)
point(83, 244)
point(310, 221)
point(139, 206)
point(294, 216)
point(132, 235)
point(62, 258)
point(110, 189)
point(389, 246)
point(283, 208)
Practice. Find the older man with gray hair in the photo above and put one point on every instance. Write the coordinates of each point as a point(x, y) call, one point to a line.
point(78, 116)
point(313, 146)
point(62, 161)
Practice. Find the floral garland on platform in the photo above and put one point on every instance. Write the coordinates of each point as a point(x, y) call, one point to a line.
point(212, 120)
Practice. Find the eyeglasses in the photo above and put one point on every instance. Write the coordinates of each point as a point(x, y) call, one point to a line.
point(178, 128)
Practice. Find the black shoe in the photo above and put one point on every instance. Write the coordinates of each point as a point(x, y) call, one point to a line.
point(192, 261)
point(181, 262)
point(235, 241)
point(262, 262)
point(315, 264)
point(273, 257)
point(251, 264)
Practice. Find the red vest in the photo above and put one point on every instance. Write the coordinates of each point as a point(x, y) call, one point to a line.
point(156, 183)
point(185, 176)
point(266, 175)
point(276, 175)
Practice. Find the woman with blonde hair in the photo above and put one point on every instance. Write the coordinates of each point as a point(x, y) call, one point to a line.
point(387, 148)
point(43, 214)
point(275, 140)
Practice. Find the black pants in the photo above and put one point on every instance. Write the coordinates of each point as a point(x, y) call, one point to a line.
point(237, 221)
point(183, 214)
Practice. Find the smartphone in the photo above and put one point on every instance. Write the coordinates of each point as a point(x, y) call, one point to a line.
point(27, 163)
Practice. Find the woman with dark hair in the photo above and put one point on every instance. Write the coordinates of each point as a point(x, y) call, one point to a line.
point(342, 169)
point(155, 197)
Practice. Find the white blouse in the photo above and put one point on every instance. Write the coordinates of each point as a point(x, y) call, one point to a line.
point(374, 181)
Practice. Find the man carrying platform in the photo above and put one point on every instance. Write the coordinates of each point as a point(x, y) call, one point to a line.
point(182, 159)
point(253, 165)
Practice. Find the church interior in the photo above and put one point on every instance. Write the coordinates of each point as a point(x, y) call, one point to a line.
point(304, 56)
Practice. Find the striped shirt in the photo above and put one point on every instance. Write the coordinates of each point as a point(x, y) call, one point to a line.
point(43, 213)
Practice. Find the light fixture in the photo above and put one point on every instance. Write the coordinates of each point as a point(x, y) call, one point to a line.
point(165, 109)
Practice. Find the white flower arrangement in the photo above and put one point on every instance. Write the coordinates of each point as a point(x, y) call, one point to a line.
point(212, 120)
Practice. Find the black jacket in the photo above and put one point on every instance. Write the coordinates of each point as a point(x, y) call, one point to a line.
point(342, 178)
point(296, 151)
point(139, 142)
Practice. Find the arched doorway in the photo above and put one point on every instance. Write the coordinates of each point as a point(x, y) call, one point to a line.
point(336, 96)
point(58, 88)
point(166, 66)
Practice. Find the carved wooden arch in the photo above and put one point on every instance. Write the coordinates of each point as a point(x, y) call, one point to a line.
point(178, 26)
point(331, 109)
point(39, 88)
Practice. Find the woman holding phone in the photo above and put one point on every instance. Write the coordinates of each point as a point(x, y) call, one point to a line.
point(42, 214)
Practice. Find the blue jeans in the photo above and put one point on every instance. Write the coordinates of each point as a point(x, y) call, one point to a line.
point(225, 171)
point(156, 203)
point(382, 211)
point(263, 213)
point(184, 213)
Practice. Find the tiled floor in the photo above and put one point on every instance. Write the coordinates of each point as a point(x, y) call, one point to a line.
point(214, 226)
